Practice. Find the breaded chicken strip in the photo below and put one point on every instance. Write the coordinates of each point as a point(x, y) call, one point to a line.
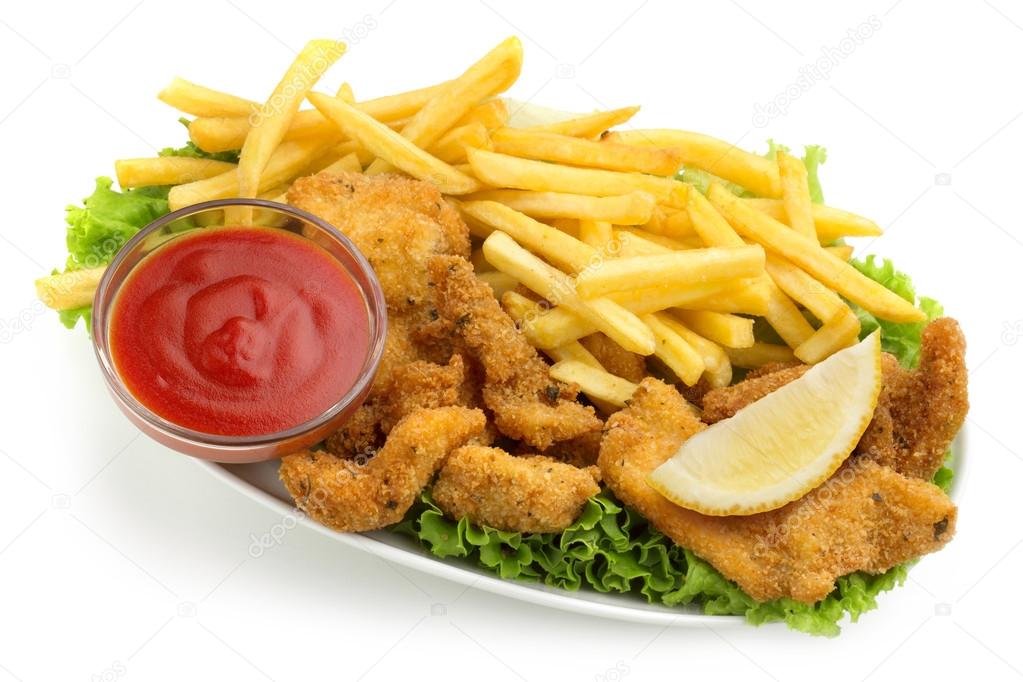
point(867, 517)
point(526, 402)
point(614, 358)
point(722, 403)
point(398, 223)
point(419, 385)
point(348, 495)
point(918, 413)
point(534, 494)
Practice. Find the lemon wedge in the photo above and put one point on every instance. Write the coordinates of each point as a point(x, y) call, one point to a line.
point(782, 446)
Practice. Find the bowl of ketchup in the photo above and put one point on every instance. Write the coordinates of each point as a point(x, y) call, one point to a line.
point(239, 342)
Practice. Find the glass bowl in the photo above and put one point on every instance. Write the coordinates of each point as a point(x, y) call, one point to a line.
point(239, 449)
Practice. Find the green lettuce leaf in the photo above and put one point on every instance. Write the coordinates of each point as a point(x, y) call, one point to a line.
point(107, 219)
point(901, 339)
point(192, 150)
point(611, 548)
point(813, 156)
point(98, 228)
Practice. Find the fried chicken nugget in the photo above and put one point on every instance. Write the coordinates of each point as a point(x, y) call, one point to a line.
point(920, 412)
point(722, 403)
point(526, 402)
point(350, 496)
point(419, 385)
point(866, 517)
point(534, 494)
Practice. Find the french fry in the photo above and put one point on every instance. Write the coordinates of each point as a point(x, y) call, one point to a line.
point(451, 148)
point(674, 351)
point(558, 326)
point(285, 163)
point(596, 233)
point(795, 194)
point(492, 74)
point(842, 251)
point(725, 329)
point(831, 223)
point(651, 242)
point(632, 245)
point(167, 170)
point(784, 317)
point(804, 289)
point(840, 332)
point(663, 297)
point(522, 310)
point(760, 354)
point(671, 223)
point(198, 100)
point(712, 227)
point(272, 120)
point(226, 133)
point(499, 282)
point(569, 226)
point(345, 92)
point(564, 251)
point(718, 366)
point(501, 170)
point(633, 208)
point(809, 256)
point(389, 145)
point(678, 268)
point(590, 125)
point(781, 313)
point(69, 290)
point(575, 151)
point(594, 382)
point(493, 114)
point(349, 163)
point(622, 326)
point(756, 173)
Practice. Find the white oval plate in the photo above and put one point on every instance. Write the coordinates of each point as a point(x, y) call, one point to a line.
point(260, 482)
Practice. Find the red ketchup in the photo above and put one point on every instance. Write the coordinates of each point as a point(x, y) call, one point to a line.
point(239, 331)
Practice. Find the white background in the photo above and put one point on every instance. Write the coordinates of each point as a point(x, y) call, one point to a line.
point(120, 559)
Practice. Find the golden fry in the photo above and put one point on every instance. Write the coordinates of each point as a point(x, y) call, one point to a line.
point(501, 170)
point(678, 268)
point(69, 290)
point(594, 382)
point(389, 145)
point(840, 332)
point(795, 194)
point(725, 329)
point(590, 125)
point(674, 351)
point(808, 255)
point(167, 170)
point(492, 74)
point(760, 354)
point(553, 285)
point(831, 223)
point(633, 208)
point(756, 173)
point(575, 151)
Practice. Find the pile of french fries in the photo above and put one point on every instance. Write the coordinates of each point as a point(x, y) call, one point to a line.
point(581, 229)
